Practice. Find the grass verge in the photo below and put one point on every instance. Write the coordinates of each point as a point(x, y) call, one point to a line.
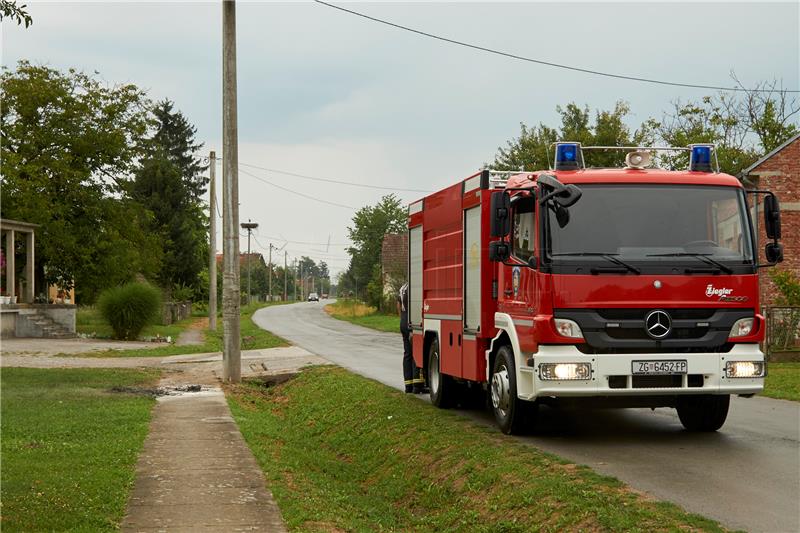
point(70, 445)
point(783, 381)
point(363, 315)
point(253, 337)
point(342, 452)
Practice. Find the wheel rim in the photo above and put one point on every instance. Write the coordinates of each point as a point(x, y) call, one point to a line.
point(434, 379)
point(500, 391)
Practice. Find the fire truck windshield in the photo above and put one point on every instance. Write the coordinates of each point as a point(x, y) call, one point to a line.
point(700, 228)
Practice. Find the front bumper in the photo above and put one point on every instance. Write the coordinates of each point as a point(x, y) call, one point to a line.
point(612, 375)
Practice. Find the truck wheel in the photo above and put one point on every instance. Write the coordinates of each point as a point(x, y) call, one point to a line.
point(511, 414)
point(441, 385)
point(703, 413)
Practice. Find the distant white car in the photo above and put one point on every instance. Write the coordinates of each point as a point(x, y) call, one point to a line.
point(313, 297)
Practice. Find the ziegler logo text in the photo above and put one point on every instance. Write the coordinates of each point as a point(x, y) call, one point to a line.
point(711, 291)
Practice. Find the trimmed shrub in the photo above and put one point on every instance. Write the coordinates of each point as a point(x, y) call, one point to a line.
point(129, 308)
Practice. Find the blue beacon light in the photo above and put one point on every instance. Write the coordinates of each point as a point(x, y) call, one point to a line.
point(567, 156)
point(700, 158)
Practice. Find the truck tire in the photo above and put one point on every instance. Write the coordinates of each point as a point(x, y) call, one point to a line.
point(703, 413)
point(442, 387)
point(513, 416)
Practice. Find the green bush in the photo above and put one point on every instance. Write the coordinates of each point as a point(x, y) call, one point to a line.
point(129, 308)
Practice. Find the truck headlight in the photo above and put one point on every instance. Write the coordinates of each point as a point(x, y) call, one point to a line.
point(565, 371)
point(568, 328)
point(745, 369)
point(742, 327)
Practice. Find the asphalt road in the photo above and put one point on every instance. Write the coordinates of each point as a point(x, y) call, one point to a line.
point(746, 476)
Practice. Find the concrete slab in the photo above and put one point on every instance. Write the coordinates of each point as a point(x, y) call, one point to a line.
point(196, 473)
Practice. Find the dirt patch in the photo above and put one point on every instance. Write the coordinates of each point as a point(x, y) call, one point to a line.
point(200, 323)
point(272, 381)
point(156, 391)
point(325, 527)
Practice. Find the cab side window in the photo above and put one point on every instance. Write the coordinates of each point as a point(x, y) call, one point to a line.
point(524, 228)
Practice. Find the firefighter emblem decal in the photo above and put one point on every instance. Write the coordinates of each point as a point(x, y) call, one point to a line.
point(515, 275)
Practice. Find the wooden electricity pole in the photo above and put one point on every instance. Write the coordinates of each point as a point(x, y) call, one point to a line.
point(285, 294)
point(231, 299)
point(212, 248)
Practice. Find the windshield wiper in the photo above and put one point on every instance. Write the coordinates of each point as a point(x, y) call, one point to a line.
point(702, 257)
point(604, 255)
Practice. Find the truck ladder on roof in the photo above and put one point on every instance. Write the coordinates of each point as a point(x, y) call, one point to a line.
point(499, 178)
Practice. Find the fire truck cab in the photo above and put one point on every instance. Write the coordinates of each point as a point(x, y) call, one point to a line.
point(623, 287)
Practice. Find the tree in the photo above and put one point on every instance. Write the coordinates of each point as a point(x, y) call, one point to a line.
point(10, 9)
point(370, 224)
point(68, 145)
point(169, 183)
point(532, 149)
point(176, 136)
point(743, 126)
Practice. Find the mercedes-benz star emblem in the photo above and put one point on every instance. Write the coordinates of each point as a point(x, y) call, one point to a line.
point(658, 324)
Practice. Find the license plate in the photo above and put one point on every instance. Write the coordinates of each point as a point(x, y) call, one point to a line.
point(659, 367)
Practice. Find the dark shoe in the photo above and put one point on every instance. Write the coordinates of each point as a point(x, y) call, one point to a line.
point(409, 390)
point(421, 390)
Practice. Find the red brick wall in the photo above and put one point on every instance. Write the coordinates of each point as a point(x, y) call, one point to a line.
point(781, 175)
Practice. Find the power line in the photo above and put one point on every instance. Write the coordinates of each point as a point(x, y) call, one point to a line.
point(281, 239)
point(539, 61)
point(259, 178)
point(332, 180)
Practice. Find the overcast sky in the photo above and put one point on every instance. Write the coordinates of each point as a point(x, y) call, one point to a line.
point(328, 94)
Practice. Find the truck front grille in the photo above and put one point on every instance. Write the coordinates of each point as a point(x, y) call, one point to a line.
point(623, 330)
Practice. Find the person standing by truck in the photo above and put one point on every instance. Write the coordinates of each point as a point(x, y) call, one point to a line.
point(411, 376)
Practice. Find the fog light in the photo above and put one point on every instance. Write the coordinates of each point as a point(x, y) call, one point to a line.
point(565, 371)
point(745, 369)
point(568, 328)
point(742, 327)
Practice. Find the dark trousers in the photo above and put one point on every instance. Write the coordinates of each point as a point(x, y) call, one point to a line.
point(411, 376)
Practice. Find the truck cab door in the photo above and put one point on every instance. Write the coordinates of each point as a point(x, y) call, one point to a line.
point(519, 279)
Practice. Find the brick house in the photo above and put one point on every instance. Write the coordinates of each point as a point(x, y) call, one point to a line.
point(394, 262)
point(779, 172)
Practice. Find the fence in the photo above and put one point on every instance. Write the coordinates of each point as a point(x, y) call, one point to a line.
point(783, 329)
point(174, 311)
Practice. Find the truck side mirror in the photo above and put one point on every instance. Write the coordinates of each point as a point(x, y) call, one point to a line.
point(569, 195)
point(773, 252)
point(500, 216)
point(499, 251)
point(772, 216)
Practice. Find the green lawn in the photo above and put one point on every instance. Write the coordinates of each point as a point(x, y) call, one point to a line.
point(89, 321)
point(783, 381)
point(344, 453)
point(253, 338)
point(69, 446)
point(363, 315)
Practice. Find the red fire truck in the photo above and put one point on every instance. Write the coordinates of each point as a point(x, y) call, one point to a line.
point(624, 287)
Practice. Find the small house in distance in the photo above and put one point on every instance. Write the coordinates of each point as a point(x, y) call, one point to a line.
point(394, 263)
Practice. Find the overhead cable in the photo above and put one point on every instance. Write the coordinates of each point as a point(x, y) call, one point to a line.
point(286, 189)
point(540, 61)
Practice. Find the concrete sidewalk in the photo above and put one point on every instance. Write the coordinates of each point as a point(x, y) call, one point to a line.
point(196, 473)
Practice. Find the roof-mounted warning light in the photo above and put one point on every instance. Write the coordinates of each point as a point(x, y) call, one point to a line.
point(700, 157)
point(568, 156)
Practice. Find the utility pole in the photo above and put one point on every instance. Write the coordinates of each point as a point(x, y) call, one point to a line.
point(285, 279)
point(270, 271)
point(231, 299)
point(302, 283)
point(250, 226)
point(212, 230)
point(294, 279)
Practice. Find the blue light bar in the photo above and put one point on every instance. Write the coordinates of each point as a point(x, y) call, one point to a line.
point(568, 156)
point(700, 158)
